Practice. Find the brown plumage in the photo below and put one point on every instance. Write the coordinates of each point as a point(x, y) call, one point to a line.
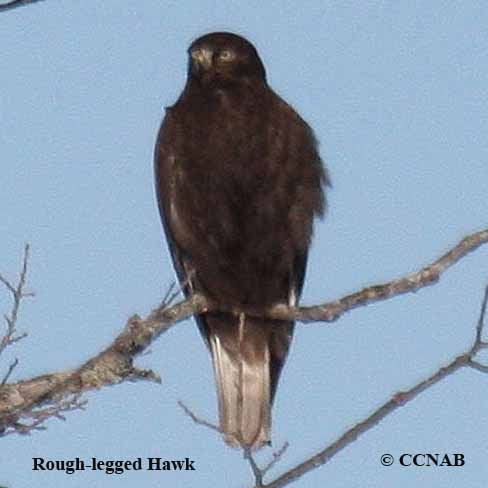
point(239, 181)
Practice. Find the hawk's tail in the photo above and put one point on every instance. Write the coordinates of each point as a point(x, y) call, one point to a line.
point(241, 359)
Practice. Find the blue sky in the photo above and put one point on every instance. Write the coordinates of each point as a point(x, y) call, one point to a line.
point(397, 93)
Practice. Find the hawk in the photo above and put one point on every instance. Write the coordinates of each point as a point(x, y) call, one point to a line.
point(239, 181)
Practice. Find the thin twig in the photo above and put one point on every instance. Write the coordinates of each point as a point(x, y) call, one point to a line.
point(168, 296)
point(18, 294)
point(15, 4)
point(259, 472)
point(480, 367)
point(7, 283)
point(478, 341)
point(276, 456)
point(38, 417)
point(11, 367)
point(197, 419)
point(256, 470)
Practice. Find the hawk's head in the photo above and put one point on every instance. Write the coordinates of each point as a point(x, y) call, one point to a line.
point(226, 57)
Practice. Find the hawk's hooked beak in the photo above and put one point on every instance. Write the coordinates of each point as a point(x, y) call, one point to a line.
point(202, 58)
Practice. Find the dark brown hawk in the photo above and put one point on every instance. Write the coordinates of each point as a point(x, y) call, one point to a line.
point(239, 181)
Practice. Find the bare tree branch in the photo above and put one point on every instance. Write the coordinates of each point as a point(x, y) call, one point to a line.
point(259, 472)
point(10, 370)
point(478, 342)
point(37, 417)
point(111, 366)
point(427, 276)
point(397, 401)
point(197, 419)
point(15, 4)
point(115, 363)
point(18, 294)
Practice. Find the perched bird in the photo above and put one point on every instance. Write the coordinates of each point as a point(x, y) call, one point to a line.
point(239, 181)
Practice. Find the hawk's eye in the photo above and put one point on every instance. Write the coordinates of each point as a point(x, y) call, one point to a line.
point(226, 55)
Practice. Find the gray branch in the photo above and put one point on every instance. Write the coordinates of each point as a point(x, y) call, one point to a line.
point(115, 364)
point(398, 400)
point(15, 4)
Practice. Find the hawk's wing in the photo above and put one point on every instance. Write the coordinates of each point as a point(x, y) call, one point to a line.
point(166, 155)
point(168, 152)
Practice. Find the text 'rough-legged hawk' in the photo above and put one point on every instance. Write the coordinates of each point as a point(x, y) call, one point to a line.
point(239, 181)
